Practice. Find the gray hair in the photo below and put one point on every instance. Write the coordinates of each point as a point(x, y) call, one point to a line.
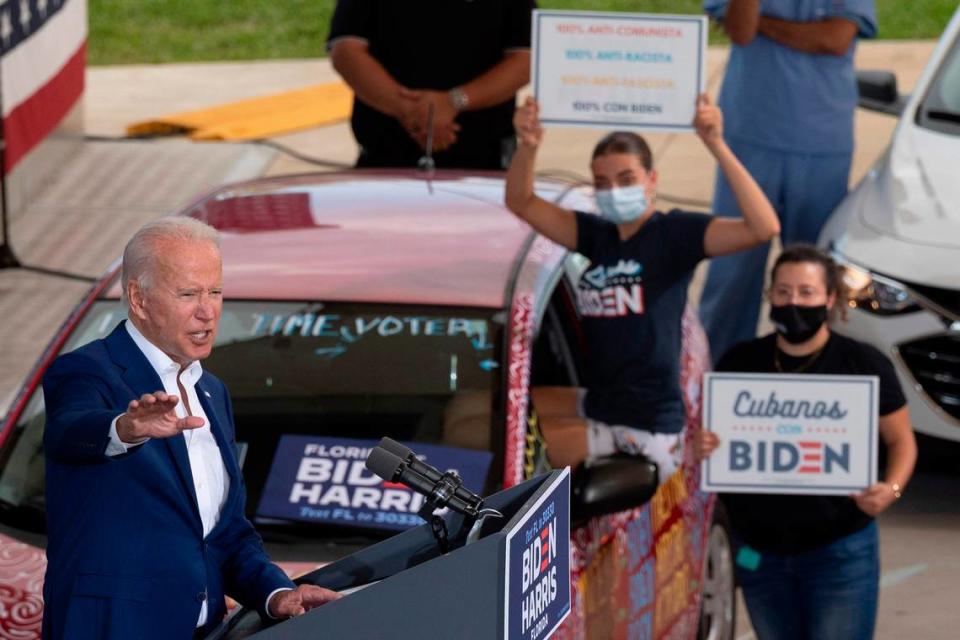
point(139, 256)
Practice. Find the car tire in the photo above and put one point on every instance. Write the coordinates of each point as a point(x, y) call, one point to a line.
point(718, 606)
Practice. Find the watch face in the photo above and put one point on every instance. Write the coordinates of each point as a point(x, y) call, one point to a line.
point(459, 99)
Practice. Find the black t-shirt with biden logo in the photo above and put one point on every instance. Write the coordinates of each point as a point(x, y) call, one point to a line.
point(790, 524)
point(631, 300)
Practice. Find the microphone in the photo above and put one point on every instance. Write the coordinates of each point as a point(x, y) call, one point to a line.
point(408, 456)
point(440, 489)
point(426, 470)
point(393, 469)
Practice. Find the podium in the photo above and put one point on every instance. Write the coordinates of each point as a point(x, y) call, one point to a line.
point(512, 582)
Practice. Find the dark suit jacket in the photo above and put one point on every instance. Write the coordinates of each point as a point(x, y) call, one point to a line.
point(126, 553)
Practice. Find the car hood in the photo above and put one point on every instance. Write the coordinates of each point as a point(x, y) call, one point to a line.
point(913, 193)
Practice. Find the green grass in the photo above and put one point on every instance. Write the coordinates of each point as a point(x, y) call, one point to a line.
point(146, 31)
point(157, 31)
point(907, 19)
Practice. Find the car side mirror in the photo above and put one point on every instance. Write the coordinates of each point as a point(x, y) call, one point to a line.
point(610, 484)
point(878, 92)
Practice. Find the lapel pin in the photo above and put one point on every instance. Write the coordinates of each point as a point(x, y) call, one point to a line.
point(207, 393)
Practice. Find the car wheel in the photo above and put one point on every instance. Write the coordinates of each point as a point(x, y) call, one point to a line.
point(718, 608)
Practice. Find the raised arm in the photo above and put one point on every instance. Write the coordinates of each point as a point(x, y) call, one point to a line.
point(832, 36)
point(759, 223)
point(556, 223)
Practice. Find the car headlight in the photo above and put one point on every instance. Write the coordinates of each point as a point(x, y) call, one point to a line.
point(875, 293)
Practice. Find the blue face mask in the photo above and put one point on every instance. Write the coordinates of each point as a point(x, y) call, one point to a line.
point(622, 204)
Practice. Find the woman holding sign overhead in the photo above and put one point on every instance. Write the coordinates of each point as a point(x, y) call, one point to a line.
point(809, 564)
point(633, 294)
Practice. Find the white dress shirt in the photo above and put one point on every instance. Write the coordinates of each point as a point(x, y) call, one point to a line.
point(210, 479)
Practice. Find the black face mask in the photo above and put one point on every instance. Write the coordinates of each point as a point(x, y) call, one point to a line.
point(798, 324)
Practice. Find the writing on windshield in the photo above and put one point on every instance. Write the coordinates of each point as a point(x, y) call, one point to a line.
point(346, 330)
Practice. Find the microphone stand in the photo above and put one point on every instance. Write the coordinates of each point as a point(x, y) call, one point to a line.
point(438, 498)
point(473, 518)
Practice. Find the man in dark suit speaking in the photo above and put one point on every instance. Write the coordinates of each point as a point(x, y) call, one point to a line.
point(145, 501)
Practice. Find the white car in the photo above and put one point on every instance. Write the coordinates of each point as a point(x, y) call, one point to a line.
point(898, 232)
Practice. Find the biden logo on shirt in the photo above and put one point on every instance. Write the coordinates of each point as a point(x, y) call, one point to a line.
point(612, 291)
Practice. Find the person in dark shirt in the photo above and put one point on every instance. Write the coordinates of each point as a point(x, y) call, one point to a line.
point(633, 295)
point(809, 565)
point(465, 58)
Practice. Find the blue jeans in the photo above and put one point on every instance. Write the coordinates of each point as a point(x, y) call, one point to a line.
point(824, 594)
point(804, 190)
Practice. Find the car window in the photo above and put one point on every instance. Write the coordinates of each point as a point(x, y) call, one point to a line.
point(940, 109)
point(335, 373)
point(557, 351)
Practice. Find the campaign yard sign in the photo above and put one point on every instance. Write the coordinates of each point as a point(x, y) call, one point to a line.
point(537, 573)
point(797, 434)
point(623, 70)
point(325, 480)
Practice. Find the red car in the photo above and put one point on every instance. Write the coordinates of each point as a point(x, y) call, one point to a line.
point(365, 304)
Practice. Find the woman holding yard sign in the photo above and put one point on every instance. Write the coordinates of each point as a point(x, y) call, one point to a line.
point(809, 564)
point(633, 294)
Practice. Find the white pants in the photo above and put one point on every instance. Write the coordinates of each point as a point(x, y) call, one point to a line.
point(663, 449)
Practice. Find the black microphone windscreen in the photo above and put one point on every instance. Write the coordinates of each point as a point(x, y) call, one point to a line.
point(383, 463)
point(394, 447)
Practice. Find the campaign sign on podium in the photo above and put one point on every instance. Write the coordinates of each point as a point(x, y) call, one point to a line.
point(797, 434)
point(623, 70)
point(537, 571)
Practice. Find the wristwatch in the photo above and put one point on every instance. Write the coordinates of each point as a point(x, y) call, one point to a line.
point(459, 98)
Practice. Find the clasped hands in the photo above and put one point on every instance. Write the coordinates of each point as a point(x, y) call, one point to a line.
point(413, 115)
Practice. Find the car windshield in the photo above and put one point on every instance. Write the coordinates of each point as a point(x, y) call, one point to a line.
point(314, 386)
point(940, 109)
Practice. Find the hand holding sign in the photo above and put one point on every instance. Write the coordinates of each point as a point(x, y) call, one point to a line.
point(875, 499)
point(709, 121)
point(526, 122)
point(704, 444)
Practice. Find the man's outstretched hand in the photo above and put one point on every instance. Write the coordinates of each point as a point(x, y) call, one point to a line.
point(153, 415)
point(294, 602)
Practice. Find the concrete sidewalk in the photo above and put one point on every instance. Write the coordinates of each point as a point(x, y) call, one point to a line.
point(83, 220)
point(119, 95)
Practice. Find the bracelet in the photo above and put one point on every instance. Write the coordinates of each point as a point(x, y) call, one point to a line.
point(897, 490)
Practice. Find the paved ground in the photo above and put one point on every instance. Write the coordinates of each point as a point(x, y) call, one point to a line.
point(82, 221)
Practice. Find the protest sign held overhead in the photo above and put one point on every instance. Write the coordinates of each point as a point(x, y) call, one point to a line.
point(623, 70)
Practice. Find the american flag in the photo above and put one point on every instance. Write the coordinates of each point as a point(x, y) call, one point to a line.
point(43, 51)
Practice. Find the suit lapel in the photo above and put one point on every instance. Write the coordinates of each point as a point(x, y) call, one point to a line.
point(142, 378)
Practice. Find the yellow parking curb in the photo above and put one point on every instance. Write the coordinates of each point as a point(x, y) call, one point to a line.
point(254, 118)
